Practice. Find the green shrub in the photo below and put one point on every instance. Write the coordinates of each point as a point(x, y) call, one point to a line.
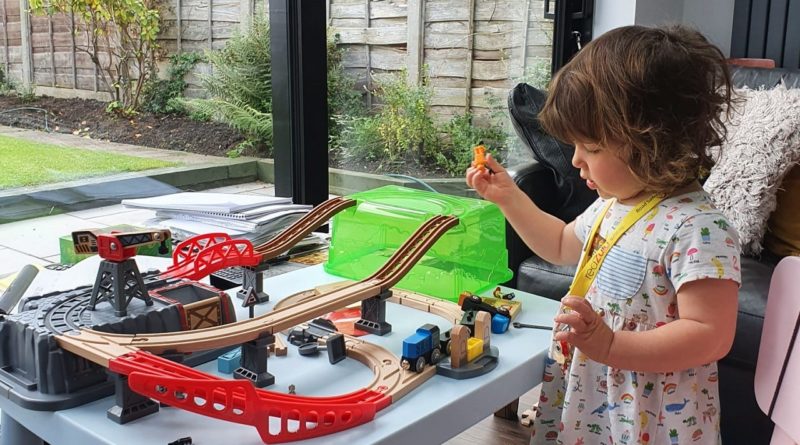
point(5, 83)
point(456, 155)
point(345, 103)
point(240, 87)
point(538, 74)
point(158, 94)
point(26, 93)
point(406, 126)
point(359, 138)
point(119, 36)
point(402, 130)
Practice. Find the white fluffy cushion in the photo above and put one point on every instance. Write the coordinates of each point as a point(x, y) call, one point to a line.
point(763, 143)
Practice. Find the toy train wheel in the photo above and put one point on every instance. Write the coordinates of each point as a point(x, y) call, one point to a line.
point(420, 364)
point(436, 356)
point(405, 364)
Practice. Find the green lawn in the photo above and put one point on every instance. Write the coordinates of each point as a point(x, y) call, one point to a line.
point(26, 163)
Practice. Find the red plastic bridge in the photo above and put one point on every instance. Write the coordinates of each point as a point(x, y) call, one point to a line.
point(278, 417)
point(202, 255)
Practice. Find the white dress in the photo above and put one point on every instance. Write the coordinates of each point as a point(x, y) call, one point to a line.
point(682, 239)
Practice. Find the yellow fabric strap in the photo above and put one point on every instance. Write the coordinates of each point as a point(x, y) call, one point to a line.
point(590, 263)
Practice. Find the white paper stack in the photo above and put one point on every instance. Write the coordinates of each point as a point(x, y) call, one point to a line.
point(256, 218)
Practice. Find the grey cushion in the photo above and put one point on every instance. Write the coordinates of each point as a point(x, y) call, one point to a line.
point(540, 277)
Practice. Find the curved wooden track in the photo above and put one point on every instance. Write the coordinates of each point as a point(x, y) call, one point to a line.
point(389, 376)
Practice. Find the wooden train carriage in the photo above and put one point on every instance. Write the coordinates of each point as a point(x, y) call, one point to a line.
point(201, 306)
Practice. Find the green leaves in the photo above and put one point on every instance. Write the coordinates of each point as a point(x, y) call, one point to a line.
point(159, 95)
point(403, 131)
point(240, 86)
point(124, 32)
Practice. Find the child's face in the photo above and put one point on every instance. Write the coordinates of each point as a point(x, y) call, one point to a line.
point(605, 172)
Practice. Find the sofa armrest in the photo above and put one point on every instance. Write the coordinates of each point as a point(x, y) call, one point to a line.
point(756, 78)
point(539, 184)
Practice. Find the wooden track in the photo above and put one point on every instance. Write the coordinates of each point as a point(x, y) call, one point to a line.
point(239, 401)
point(302, 227)
point(389, 378)
point(446, 309)
point(101, 347)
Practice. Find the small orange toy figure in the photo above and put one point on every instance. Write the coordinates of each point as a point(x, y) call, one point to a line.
point(479, 158)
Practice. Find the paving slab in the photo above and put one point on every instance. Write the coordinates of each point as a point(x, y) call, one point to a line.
point(99, 211)
point(38, 237)
point(11, 261)
point(134, 217)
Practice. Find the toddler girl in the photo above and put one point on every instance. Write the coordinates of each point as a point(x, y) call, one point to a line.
point(654, 301)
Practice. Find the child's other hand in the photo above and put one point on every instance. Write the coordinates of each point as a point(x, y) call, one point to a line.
point(588, 332)
point(495, 185)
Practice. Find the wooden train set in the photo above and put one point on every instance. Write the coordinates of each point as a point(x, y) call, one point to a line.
point(72, 335)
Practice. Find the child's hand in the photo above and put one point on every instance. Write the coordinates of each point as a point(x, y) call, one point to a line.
point(588, 332)
point(494, 183)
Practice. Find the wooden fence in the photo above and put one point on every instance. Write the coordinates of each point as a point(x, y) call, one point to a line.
point(41, 51)
point(471, 51)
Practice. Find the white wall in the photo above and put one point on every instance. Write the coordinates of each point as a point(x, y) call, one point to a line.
point(655, 12)
point(714, 18)
point(610, 14)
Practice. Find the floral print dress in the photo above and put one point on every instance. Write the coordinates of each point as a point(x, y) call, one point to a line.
point(682, 239)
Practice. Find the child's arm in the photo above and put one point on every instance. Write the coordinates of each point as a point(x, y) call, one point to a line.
point(703, 333)
point(546, 235)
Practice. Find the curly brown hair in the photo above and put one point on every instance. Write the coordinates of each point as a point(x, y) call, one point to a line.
point(658, 93)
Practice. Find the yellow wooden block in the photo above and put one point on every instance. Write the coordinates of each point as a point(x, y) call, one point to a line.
point(474, 348)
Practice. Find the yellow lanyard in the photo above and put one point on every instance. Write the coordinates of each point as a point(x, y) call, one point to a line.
point(590, 263)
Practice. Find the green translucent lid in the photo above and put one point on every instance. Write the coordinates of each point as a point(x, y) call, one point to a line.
point(470, 257)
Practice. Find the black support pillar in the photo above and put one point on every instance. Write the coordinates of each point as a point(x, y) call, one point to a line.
point(299, 99)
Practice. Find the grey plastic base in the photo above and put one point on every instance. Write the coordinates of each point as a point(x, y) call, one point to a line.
point(480, 366)
point(36, 374)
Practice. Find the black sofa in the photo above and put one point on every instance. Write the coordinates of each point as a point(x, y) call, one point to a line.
point(554, 185)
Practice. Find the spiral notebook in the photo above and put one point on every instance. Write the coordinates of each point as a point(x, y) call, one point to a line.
point(217, 204)
point(252, 215)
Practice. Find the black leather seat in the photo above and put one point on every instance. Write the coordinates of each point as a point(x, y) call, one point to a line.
point(551, 183)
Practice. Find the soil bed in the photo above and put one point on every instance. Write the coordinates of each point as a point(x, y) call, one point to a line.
point(89, 118)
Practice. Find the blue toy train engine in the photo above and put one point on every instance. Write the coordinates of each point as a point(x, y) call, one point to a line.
point(421, 348)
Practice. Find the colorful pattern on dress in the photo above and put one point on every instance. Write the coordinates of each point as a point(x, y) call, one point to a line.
point(681, 240)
